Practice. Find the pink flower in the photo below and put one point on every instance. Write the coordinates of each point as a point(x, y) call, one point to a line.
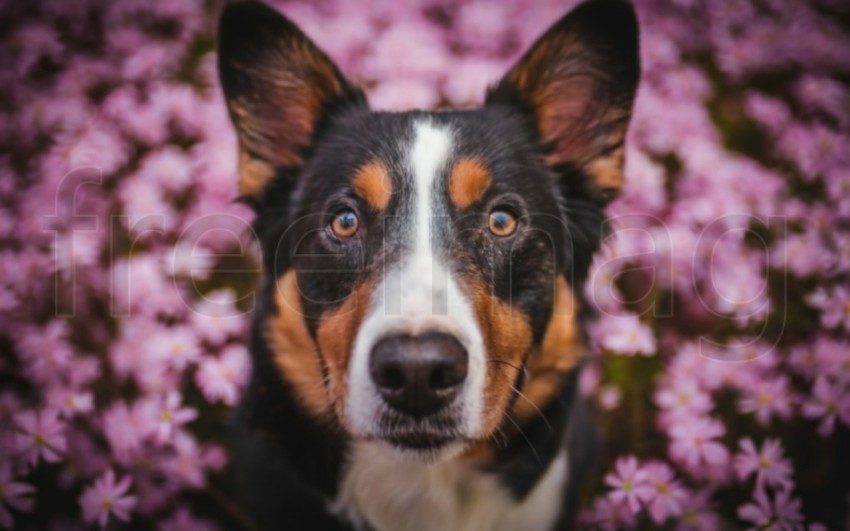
point(628, 483)
point(69, 402)
point(770, 467)
point(186, 465)
point(126, 428)
point(393, 57)
point(146, 209)
point(191, 261)
point(609, 397)
point(176, 346)
point(698, 514)
point(168, 167)
point(404, 94)
point(13, 494)
point(684, 397)
point(624, 334)
point(171, 416)
point(665, 496)
point(222, 377)
point(782, 513)
point(768, 398)
point(834, 306)
point(829, 401)
point(41, 435)
point(45, 351)
point(184, 520)
point(216, 316)
point(139, 284)
point(608, 515)
point(693, 443)
point(107, 497)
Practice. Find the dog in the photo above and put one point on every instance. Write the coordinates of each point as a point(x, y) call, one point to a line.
point(418, 335)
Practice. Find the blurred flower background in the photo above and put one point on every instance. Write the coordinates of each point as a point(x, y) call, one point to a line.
point(127, 268)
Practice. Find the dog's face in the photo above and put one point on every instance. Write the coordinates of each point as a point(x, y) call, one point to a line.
point(424, 264)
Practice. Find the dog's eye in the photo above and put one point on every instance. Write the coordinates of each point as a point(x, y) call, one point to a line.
point(345, 224)
point(502, 222)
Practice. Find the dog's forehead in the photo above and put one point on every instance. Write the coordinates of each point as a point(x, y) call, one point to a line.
point(387, 154)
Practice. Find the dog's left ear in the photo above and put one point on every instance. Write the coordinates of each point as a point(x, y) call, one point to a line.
point(579, 81)
point(279, 86)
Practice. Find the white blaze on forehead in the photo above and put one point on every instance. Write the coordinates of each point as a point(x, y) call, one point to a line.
point(419, 294)
point(431, 150)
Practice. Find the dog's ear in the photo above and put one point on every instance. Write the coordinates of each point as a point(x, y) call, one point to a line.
point(579, 81)
point(279, 86)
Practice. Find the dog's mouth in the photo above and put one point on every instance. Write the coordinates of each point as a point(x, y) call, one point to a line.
point(426, 438)
point(420, 442)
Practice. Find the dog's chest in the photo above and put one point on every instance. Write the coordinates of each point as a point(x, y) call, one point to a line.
point(382, 493)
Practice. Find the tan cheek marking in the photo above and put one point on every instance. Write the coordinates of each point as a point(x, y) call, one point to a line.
point(560, 351)
point(335, 334)
point(468, 182)
point(293, 349)
point(507, 337)
point(372, 182)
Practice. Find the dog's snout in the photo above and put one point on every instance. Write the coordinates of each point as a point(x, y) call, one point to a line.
point(418, 375)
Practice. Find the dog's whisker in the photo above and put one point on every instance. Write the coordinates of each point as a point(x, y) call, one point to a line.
point(524, 436)
point(536, 408)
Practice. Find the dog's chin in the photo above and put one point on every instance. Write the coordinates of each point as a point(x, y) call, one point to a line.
point(422, 448)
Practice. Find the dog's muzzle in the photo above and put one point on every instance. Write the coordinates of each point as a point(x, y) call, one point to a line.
point(418, 375)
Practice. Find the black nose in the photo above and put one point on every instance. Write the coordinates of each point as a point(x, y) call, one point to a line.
point(418, 375)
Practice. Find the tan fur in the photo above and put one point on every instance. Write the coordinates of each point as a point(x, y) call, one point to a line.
point(607, 171)
point(254, 174)
point(507, 337)
point(293, 349)
point(336, 333)
point(561, 350)
point(468, 182)
point(372, 182)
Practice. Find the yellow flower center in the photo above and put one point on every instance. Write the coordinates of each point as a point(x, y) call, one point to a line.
point(627, 485)
point(166, 415)
point(663, 488)
point(764, 399)
point(765, 462)
point(39, 440)
point(106, 503)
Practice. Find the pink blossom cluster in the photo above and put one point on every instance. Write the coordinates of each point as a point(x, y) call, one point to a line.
point(127, 268)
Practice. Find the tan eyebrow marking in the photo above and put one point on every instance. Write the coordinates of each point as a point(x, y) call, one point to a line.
point(468, 182)
point(372, 182)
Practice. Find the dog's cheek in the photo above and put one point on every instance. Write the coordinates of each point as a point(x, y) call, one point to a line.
point(507, 338)
point(336, 333)
point(561, 350)
point(294, 351)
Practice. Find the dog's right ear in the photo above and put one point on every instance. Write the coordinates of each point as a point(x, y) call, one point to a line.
point(279, 86)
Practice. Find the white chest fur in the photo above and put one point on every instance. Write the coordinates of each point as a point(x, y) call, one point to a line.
point(391, 495)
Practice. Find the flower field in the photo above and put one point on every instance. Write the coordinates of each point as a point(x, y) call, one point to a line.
point(721, 372)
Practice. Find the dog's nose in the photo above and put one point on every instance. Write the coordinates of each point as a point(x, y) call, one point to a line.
point(418, 375)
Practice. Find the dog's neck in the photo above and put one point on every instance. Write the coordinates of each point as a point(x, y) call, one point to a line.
point(382, 493)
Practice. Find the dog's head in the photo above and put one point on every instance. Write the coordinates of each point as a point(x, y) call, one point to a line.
point(424, 263)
